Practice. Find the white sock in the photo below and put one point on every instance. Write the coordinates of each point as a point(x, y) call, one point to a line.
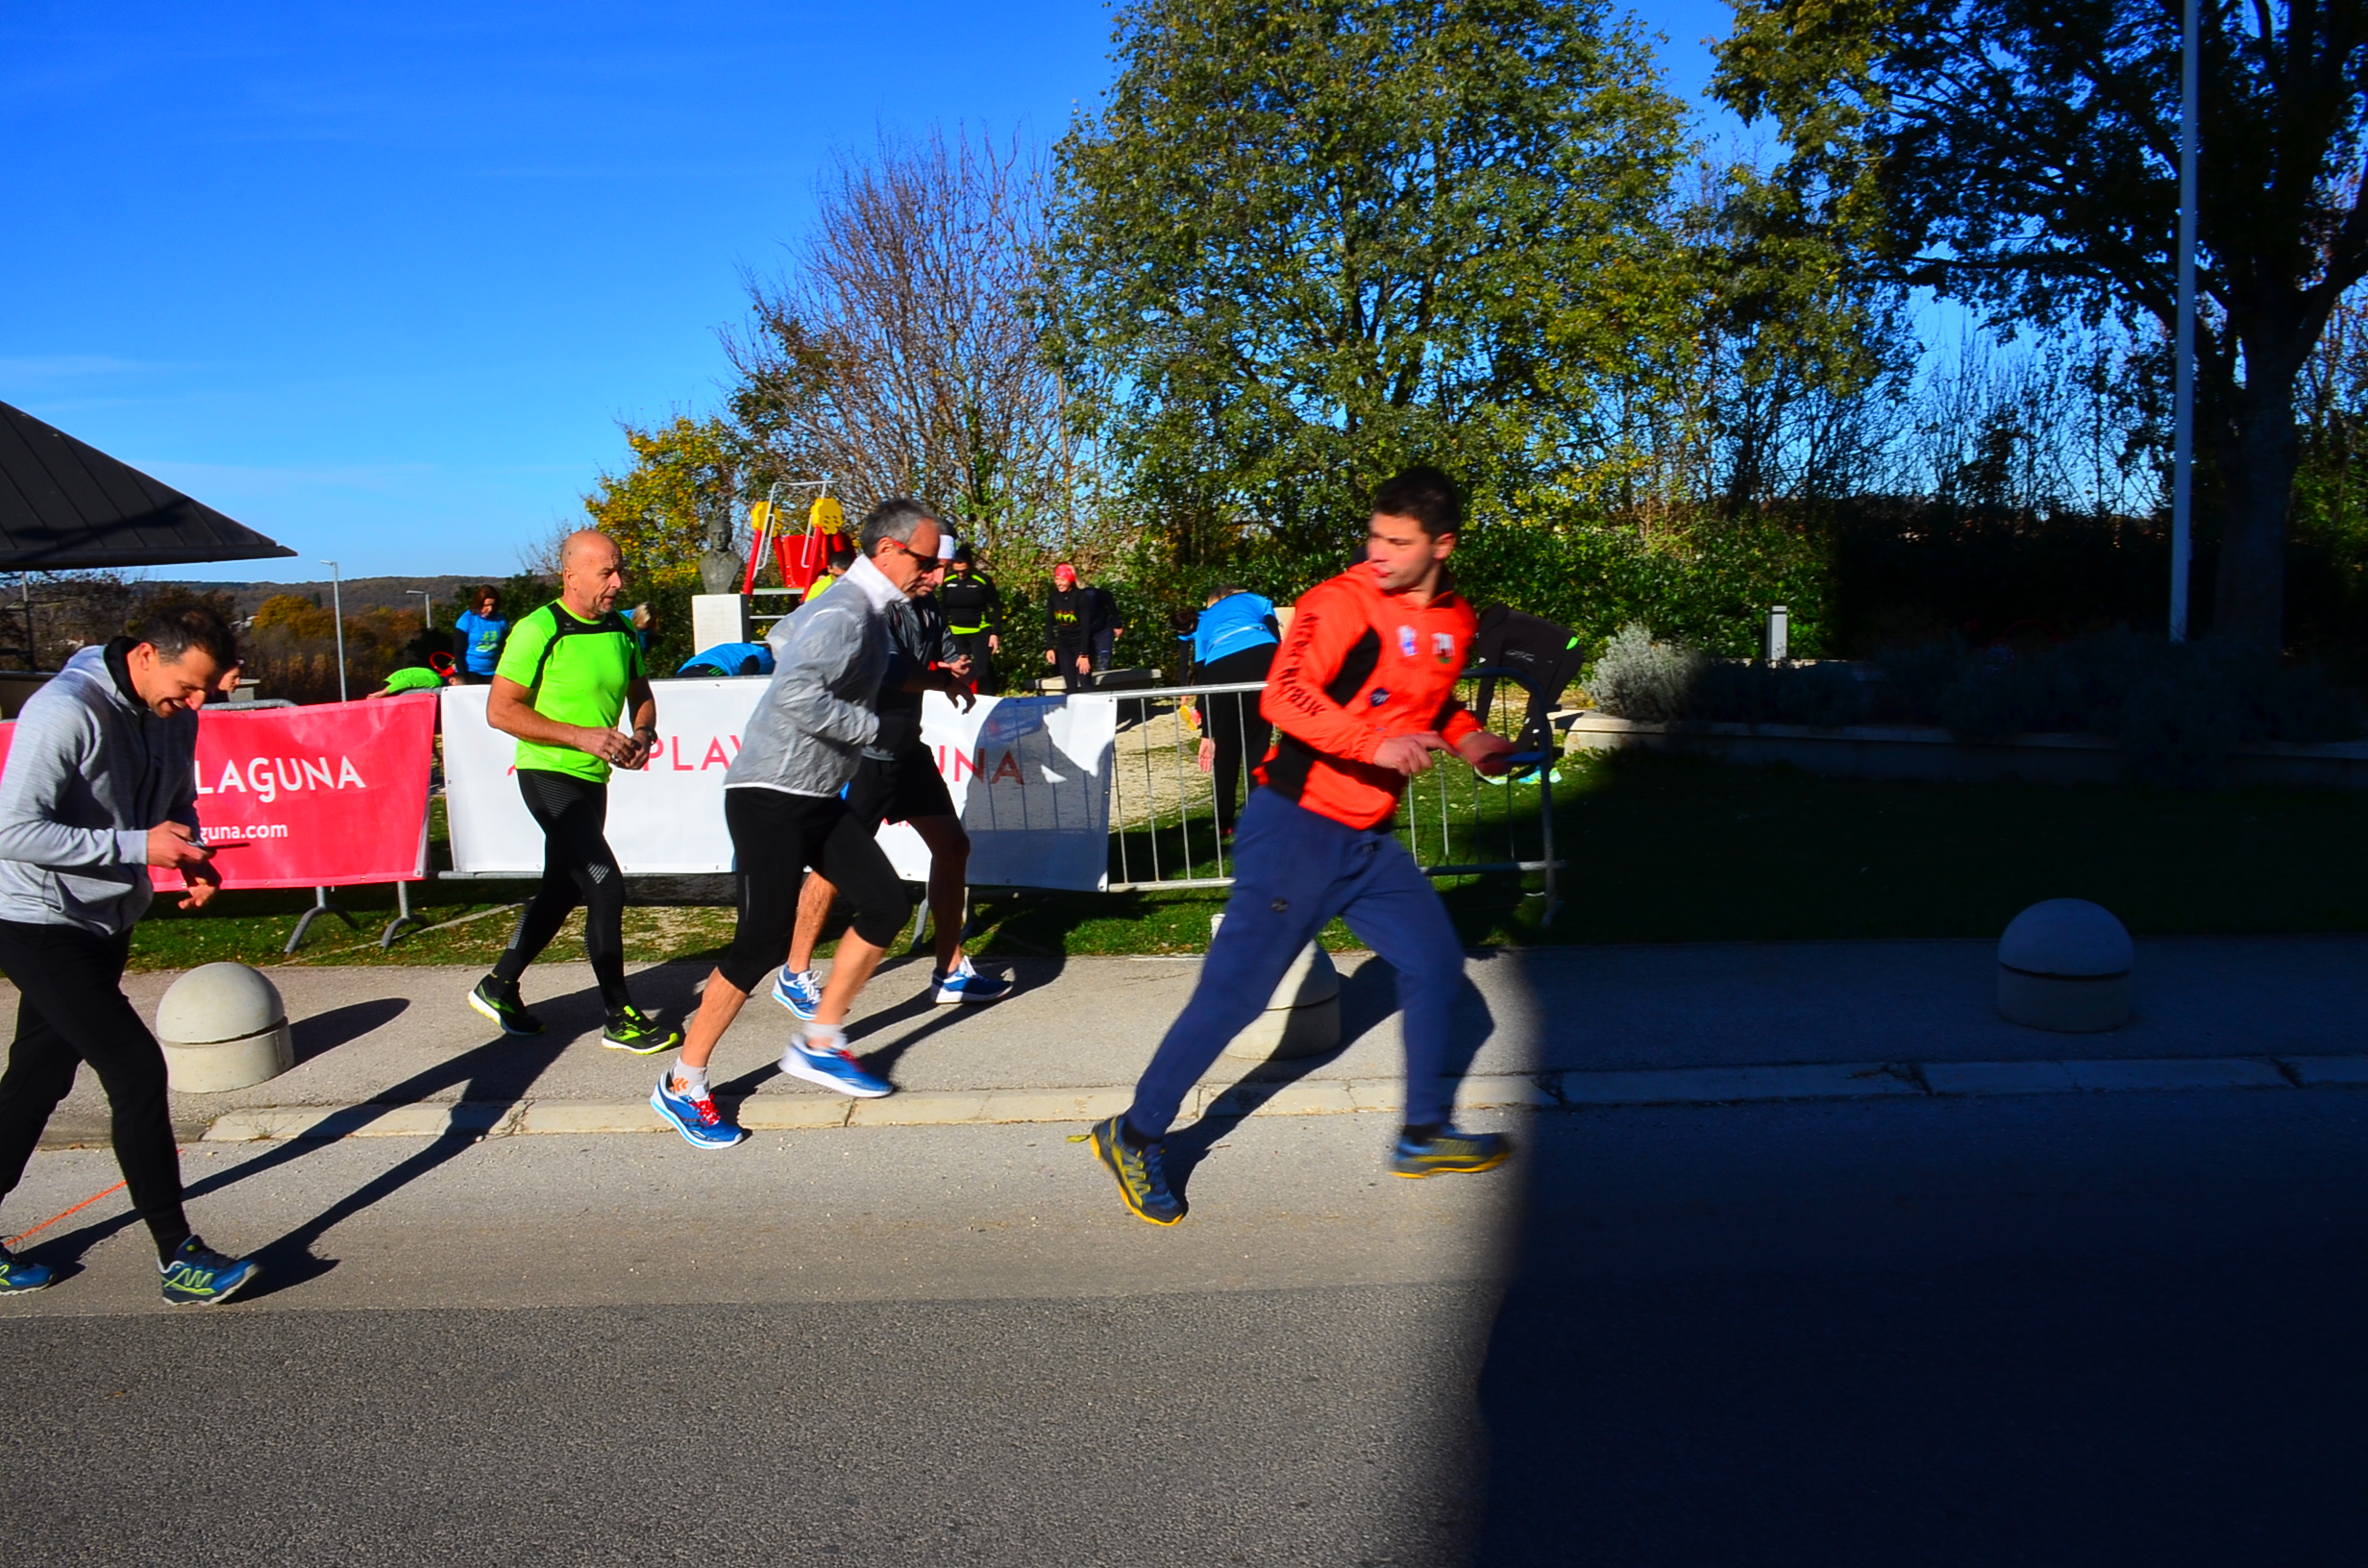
point(690, 1080)
point(823, 1036)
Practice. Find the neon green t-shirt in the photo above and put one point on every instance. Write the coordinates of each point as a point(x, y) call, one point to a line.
point(577, 671)
point(414, 679)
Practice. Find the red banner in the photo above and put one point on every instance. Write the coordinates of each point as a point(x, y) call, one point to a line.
point(331, 795)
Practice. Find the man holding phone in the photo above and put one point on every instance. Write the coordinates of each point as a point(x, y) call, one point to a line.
point(100, 785)
point(568, 672)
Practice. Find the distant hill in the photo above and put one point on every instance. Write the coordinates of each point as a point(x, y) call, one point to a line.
point(357, 593)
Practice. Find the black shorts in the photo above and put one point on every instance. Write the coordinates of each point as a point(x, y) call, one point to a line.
point(774, 837)
point(899, 790)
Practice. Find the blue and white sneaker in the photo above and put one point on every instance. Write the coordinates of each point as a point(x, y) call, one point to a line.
point(18, 1277)
point(833, 1067)
point(198, 1275)
point(798, 990)
point(965, 983)
point(694, 1116)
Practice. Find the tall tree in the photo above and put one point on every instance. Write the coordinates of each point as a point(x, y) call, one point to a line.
point(2023, 154)
point(682, 472)
point(899, 353)
point(1306, 242)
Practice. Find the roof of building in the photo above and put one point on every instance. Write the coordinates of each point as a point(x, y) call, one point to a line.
point(65, 505)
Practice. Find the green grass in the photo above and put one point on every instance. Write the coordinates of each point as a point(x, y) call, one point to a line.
point(1661, 849)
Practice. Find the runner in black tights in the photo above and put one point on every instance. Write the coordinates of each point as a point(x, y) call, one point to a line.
point(568, 672)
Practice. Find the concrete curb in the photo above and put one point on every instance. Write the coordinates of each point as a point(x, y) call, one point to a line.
point(1313, 1098)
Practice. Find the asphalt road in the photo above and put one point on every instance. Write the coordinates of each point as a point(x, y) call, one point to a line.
point(2075, 1329)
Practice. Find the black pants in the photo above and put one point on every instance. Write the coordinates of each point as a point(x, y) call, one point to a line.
point(1065, 659)
point(578, 868)
point(774, 837)
point(70, 1008)
point(1232, 720)
point(982, 661)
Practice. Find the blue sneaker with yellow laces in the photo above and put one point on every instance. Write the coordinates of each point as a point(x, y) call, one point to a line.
point(1447, 1151)
point(199, 1276)
point(1140, 1170)
point(19, 1278)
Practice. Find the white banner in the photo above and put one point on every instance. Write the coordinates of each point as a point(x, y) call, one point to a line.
point(1030, 776)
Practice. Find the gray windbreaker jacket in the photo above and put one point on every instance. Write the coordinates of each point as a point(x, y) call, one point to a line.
point(89, 771)
point(820, 708)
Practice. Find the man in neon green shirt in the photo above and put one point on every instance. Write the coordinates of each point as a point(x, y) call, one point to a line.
point(568, 672)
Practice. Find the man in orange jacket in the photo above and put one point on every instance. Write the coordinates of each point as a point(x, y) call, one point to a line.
point(1363, 692)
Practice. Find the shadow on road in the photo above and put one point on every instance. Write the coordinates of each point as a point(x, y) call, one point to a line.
point(324, 1032)
point(1368, 999)
point(2073, 1331)
point(494, 1075)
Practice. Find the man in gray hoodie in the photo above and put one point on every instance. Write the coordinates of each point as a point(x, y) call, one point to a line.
point(781, 803)
point(101, 784)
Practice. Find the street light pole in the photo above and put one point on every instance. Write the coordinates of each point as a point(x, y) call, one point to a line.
point(2182, 414)
point(427, 608)
point(336, 613)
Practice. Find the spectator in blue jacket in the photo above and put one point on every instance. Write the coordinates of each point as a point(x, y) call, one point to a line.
point(1233, 640)
point(480, 633)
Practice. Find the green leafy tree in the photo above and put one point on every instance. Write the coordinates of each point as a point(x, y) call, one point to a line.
point(2022, 154)
point(899, 354)
point(682, 471)
point(1304, 244)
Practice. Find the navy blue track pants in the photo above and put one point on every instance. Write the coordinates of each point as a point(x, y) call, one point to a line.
point(1294, 871)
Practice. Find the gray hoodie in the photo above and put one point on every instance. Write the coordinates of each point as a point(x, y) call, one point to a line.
point(822, 707)
point(89, 771)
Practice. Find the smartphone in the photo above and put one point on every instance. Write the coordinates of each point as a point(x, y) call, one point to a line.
point(225, 843)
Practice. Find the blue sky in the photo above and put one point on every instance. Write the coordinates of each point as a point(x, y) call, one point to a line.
point(380, 280)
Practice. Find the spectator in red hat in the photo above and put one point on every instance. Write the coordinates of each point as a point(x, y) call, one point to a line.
point(1070, 616)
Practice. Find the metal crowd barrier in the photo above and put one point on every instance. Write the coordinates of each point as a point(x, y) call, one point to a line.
point(1163, 808)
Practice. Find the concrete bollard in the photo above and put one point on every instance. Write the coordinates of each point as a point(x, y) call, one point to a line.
point(2064, 964)
point(1302, 1017)
point(223, 1027)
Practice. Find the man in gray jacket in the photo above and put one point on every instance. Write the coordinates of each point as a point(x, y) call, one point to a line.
point(100, 785)
point(781, 803)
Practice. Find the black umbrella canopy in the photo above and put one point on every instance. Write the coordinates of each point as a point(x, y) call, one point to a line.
point(65, 506)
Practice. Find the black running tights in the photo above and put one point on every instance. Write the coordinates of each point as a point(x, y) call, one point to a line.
point(70, 1009)
point(578, 868)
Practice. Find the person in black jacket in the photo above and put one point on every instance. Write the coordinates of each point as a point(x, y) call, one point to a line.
point(1109, 624)
point(1070, 615)
point(974, 609)
point(1547, 655)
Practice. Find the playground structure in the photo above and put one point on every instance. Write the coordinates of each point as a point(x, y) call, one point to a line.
point(723, 615)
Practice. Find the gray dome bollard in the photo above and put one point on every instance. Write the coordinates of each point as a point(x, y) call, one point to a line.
point(2064, 964)
point(223, 1027)
point(1302, 1017)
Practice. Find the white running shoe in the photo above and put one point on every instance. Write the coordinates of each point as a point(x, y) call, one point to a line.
point(967, 985)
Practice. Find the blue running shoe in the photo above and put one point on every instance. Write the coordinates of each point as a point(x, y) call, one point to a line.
point(1140, 1170)
point(833, 1067)
point(1449, 1151)
point(967, 985)
point(18, 1277)
point(200, 1276)
point(796, 989)
point(694, 1116)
